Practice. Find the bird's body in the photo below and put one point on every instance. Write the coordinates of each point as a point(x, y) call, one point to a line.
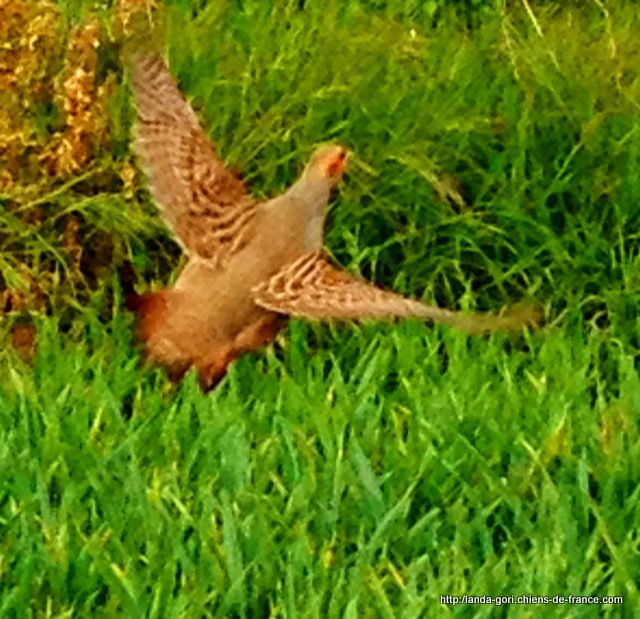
point(209, 317)
point(251, 264)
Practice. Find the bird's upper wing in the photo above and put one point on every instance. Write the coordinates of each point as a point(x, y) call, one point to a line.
point(311, 287)
point(206, 205)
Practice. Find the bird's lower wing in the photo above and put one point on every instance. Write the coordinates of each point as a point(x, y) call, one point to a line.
point(204, 203)
point(311, 287)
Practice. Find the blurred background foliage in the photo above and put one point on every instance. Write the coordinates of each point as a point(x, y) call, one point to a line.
point(496, 143)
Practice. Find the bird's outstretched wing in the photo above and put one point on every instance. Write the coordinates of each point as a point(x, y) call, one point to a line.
point(206, 205)
point(311, 287)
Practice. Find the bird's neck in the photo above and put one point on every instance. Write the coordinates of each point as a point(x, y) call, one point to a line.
point(312, 198)
point(312, 193)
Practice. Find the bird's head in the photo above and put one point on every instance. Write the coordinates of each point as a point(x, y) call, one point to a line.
point(327, 164)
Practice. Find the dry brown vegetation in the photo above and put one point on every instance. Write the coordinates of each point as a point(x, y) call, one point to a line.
point(55, 148)
point(30, 35)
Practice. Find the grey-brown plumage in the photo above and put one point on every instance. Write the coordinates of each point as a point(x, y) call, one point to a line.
point(251, 264)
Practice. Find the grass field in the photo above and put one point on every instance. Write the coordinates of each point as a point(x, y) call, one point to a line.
point(347, 471)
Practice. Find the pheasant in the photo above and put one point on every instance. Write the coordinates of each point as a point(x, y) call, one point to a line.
point(251, 263)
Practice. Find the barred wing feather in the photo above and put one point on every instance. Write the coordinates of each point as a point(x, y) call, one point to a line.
point(204, 203)
point(312, 288)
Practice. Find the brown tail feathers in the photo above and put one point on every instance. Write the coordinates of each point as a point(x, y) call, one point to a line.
point(151, 309)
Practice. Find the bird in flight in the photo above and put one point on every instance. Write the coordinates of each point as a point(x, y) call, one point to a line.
point(251, 263)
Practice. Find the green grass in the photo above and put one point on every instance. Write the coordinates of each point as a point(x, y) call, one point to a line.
point(354, 471)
